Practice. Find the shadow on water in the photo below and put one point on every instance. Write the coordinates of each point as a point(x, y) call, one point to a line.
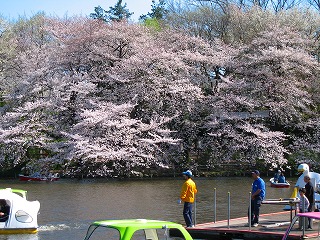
point(69, 206)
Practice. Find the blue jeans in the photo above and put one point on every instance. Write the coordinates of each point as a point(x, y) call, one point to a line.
point(187, 213)
point(255, 209)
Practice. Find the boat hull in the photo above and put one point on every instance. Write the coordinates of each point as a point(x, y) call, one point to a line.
point(4, 231)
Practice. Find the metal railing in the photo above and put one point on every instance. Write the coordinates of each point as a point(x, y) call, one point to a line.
point(282, 201)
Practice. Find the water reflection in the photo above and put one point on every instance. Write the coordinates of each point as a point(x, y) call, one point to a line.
point(69, 206)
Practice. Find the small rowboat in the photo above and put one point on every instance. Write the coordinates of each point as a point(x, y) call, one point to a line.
point(38, 178)
point(279, 185)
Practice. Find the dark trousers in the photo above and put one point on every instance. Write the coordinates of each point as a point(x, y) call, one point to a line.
point(310, 224)
point(187, 213)
point(255, 209)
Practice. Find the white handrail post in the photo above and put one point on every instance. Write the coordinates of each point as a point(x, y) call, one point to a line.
point(228, 209)
point(249, 212)
point(195, 211)
point(214, 205)
point(303, 218)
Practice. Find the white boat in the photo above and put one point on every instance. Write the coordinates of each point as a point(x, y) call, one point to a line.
point(315, 181)
point(23, 214)
point(279, 185)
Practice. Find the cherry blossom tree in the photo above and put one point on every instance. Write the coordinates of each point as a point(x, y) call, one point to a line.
point(88, 69)
point(116, 99)
point(277, 72)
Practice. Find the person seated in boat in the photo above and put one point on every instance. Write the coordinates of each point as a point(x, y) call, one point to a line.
point(282, 178)
point(4, 210)
point(50, 175)
point(36, 175)
point(276, 176)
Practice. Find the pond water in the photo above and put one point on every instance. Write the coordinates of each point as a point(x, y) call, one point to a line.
point(69, 206)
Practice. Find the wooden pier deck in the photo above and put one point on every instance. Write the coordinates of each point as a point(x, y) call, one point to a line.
point(271, 226)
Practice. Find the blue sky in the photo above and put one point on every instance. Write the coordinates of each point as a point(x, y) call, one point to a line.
point(12, 9)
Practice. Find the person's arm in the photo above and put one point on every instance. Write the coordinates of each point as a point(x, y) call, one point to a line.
point(183, 193)
point(306, 203)
point(256, 193)
point(312, 195)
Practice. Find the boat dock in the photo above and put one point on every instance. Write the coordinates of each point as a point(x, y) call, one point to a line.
point(271, 226)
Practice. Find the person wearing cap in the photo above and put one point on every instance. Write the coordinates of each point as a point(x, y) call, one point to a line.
point(258, 194)
point(187, 195)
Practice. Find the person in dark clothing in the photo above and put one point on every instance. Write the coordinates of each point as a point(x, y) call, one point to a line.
point(282, 178)
point(310, 195)
point(276, 176)
point(4, 210)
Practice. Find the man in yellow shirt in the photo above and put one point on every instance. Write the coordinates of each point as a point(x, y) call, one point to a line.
point(187, 195)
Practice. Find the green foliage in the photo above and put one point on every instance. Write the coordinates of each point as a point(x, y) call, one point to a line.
point(2, 101)
point(158, 11)
point(152, 23)
point(34, 152)
point(117, 13)
point(99, 13)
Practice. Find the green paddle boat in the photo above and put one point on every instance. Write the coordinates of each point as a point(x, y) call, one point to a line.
point(141, 229)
